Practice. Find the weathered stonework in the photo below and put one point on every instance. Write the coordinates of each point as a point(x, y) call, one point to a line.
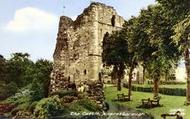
point(77, 57)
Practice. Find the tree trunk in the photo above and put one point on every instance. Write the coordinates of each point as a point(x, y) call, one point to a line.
point(143, 74)
point(118, 77)
point(166, 76)
point(138, 77)
point(119, 83)
point(156, 87)
point(187, 66)
point(129, 82)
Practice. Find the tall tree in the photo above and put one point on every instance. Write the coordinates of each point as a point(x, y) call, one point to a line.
point(135, 43)
point(182, 36)
point(119, 52)
point(177, 13)
point(2, 69)
point(21, 69)
point(114, 54)
point(156, 50)
point(43, 70)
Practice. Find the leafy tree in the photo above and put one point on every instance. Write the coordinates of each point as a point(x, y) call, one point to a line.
point(133, 35)
point(164, 54)
point(114, 54)
point(37, 90)
point(175, 10)
point(19, 72)
point(43, 70)
point(20, 69)
point(177, 13)
point(119, 51)
point(6, 88)
point(2, 69)
point(182, 36)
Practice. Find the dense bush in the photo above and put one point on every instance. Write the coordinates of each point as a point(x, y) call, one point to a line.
point(173, 91)
point(4, 108)
point(32, 106)
point(37, 91)
point(89, 105)
point(47, 107)
point(24, 115)
point(23, 96)
point(22, 100)
point(21, 71)
point(171, 82)
point(162, 90)
point(20, 107)
point(143, 89)
point(7, 90)
point(84, 104)
point(63, 93)
point(26, 87)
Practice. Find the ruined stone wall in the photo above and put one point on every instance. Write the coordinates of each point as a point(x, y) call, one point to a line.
point(103, 22)
point(77, 56)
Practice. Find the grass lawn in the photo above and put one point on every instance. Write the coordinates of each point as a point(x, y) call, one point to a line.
point(169, 102)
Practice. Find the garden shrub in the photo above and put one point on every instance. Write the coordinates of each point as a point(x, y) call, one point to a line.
point(20, 107)
point(4, 108)
point(89, 104)
point(75, 107)
point(32, 106)
point(24, 115)
point(37, 91)
point(170, 82)
point(8, 90)
point(162, 90)
point(47, 107)
point(173, 91)
point(84, 105)
point(63, 93)
point(23, 96)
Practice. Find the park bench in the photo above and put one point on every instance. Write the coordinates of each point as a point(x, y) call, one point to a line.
point(177, 115)
point(122, 97)
point(167, 115)
point(155, 102)
point(148, 103)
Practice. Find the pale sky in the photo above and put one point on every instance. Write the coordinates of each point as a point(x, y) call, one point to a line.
point(31, 25)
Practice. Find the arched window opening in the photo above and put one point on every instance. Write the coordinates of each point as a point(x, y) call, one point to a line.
point(113, 21)
point(85, 72)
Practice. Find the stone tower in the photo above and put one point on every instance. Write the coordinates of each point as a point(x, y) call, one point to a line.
point(77, 56)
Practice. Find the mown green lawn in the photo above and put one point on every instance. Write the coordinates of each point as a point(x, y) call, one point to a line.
point(169, 102)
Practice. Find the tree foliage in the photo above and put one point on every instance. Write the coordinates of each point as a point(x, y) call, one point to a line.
point(114, 54)
point(19, 71)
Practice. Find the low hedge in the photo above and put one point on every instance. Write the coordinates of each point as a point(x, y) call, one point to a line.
point(162, 90)
point(168, 82)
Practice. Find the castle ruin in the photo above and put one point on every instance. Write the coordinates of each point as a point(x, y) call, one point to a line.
point(77, 57)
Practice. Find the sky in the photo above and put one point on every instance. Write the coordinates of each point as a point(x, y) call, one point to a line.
point(31, 25)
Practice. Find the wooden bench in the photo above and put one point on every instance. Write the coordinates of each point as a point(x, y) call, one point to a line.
point(155, 102)
point(148, 103)
point(122, 97)
point(167, 115)
point(177, 115)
